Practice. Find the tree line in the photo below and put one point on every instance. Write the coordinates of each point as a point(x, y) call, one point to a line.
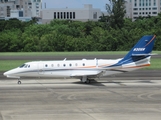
point(110, 33)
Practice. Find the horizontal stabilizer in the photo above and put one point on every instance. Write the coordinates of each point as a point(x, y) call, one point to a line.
point(142, 54)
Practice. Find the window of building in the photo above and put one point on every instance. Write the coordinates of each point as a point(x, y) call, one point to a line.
point(95, 15)
point(58, 15)
point(135, 4)
point(73, 15)
point(154, 3)
point(140, 13)
point(135, 9)
point(20, 13)
point(54, 15)
point(154, 12)
point(135, 13)
point(64, 15)
point(139, 8)
point(149, 12)
point(149, 8)
point(135, 17)
point(67, 15)
point(61, 15)
point(143, 13)
point(154, 8)
point(70, 15)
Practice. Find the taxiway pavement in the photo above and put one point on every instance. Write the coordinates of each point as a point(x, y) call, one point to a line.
point(47, 99)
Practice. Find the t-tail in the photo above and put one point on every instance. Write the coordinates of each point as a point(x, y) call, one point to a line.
point(139, 56)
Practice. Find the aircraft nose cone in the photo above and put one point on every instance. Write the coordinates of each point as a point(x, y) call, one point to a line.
point(5, 74)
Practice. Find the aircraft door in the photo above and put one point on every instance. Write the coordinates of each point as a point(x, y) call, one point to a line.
point(41, 68)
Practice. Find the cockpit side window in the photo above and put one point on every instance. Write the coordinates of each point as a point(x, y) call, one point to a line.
point(25, 66)
point(22, 66)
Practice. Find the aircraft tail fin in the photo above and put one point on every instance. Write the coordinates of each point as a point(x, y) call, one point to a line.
point(141, 50)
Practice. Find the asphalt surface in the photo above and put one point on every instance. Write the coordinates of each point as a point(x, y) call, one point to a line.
point(130, 96)
point(70, 99)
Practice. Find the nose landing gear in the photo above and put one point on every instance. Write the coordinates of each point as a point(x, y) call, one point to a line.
point(19, 81)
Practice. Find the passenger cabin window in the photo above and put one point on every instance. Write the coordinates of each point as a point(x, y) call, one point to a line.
point(52, 65)
point(64, 65)
point(70, 65)
point(46, 65)
point(83, 64)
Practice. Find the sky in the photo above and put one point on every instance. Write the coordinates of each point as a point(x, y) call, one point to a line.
point(75, 3)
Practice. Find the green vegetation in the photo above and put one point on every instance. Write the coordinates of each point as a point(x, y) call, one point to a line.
point(67, 35)
point(111, 33)
point(66, 53)
point(10, 64)
point(63, 53)
point(155, 64)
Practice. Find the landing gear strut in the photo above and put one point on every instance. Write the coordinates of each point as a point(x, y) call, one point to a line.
point(84, 79)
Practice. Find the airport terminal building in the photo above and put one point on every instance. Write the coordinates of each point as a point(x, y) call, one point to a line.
point(78, 14)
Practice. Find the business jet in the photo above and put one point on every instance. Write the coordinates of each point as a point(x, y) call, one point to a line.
point(86, 70)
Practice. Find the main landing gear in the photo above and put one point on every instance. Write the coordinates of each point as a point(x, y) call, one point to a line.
point(84, 79)
point(19, 81)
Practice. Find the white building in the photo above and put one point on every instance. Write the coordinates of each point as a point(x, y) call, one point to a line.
point(82, 14)
point(29, 8)
point(144, 8)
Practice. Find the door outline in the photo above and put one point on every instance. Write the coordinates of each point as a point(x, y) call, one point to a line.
point(41, 68)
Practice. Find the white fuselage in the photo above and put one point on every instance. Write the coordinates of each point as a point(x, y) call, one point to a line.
point(73, 68)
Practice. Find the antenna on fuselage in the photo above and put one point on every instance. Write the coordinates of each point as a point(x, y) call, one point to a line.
point(65, 59)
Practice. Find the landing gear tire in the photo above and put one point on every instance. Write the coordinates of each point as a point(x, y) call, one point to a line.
point(19, 82)
point(87, 81)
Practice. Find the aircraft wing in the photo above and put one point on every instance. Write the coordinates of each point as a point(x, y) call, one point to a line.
point(87, 73)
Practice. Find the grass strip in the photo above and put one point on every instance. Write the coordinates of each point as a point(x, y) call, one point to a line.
point(66, 53)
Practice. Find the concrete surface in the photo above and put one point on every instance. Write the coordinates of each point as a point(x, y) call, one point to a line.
point(47, 99)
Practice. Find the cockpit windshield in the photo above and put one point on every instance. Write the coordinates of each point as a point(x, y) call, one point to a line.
point(24, 66)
